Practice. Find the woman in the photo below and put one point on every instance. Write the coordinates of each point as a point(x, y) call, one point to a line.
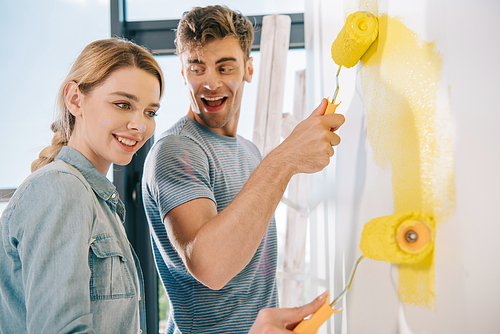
point(66, 262)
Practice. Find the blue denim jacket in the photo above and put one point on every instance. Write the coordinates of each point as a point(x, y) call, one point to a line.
point(66, 264)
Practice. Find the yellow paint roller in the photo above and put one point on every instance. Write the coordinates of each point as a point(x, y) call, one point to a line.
point(405, 237)
point(359, 32)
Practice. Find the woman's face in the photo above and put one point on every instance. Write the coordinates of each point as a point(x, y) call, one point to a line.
point(116, 118)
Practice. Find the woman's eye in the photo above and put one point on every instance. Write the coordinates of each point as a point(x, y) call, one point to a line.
point(122, 105)
point(151, 113)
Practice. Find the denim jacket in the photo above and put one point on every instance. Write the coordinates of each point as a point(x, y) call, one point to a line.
point(66, 263)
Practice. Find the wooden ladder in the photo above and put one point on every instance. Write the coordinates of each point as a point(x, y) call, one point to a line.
point(271, 124)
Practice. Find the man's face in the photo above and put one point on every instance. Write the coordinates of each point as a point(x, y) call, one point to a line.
point(215, 75)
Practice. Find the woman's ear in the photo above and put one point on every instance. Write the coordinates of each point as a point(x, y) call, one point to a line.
point(73, 98)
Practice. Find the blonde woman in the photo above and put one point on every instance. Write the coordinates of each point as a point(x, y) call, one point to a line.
point(66, 262)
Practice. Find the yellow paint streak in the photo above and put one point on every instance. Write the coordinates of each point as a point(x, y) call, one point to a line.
point(409, 135)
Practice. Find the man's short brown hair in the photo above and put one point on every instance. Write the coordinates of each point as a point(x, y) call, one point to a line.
point(202, 25)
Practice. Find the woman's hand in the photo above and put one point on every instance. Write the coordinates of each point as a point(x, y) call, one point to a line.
point(284, 320)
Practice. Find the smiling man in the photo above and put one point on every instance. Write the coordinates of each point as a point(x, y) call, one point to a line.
point(215, 77)
point(209, 196)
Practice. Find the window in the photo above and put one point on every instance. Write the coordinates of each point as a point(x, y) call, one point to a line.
point(149, 10)
point(39, 43)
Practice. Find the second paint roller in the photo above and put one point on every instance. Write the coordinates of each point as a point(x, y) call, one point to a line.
point(359, 32)
point(404, 237)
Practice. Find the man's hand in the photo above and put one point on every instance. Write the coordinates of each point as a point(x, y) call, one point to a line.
point(284, 320)
point(309, 147)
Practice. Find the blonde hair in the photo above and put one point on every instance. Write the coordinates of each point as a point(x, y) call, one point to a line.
point(202, 25)
point(92, 67)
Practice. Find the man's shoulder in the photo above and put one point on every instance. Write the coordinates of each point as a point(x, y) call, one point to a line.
point(182, 137)
point(184, 128)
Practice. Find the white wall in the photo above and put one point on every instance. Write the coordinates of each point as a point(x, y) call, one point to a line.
point(467, 271)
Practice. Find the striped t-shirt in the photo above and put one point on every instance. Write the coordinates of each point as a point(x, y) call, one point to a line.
point(188, 162)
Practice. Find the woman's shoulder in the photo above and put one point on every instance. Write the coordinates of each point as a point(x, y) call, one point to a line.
point(58, 174)
point(47, 193)
point(57, 180)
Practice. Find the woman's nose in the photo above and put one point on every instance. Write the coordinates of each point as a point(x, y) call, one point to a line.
point(136, 124)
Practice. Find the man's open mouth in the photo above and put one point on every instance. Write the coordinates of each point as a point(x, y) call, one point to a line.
point(214, 102)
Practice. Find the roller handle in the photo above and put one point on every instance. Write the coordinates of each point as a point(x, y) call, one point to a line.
point(330, 109)
point(311, 325)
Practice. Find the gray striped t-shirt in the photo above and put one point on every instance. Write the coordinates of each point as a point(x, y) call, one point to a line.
point(187, 162)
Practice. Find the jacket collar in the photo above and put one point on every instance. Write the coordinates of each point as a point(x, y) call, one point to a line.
point(99, 183)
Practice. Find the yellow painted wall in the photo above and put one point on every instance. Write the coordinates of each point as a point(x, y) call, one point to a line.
point(421, 133)
point(401, 78)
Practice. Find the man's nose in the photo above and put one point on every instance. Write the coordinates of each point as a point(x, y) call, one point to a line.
point(212, 81)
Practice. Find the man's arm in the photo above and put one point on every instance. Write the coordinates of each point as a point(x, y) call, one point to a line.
point(216, 247)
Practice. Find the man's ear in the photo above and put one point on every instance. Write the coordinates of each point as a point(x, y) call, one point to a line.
point(249, 70)
point(183, 77)
point(73, 98)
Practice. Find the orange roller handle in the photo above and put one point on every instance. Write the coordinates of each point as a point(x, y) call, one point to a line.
point(311, 325)
point(331, 107)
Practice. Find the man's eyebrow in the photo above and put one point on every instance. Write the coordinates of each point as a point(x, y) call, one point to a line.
point(195, 61)
point(223, 60)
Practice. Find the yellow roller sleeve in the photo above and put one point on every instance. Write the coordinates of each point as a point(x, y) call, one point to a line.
point(406, 237)
point(358, 33)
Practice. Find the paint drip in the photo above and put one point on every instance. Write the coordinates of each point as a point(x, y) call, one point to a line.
point(410, 136)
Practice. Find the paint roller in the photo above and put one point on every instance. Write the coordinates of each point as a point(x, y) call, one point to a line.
point(359, 32)
point(405, 237)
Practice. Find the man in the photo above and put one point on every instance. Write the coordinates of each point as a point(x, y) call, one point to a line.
point(209, 198)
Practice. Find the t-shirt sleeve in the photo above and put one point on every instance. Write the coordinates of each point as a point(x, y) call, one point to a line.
point(177, 171)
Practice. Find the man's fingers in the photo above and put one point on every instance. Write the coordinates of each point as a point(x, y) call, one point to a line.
point(320, 110)
point(335, 121)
